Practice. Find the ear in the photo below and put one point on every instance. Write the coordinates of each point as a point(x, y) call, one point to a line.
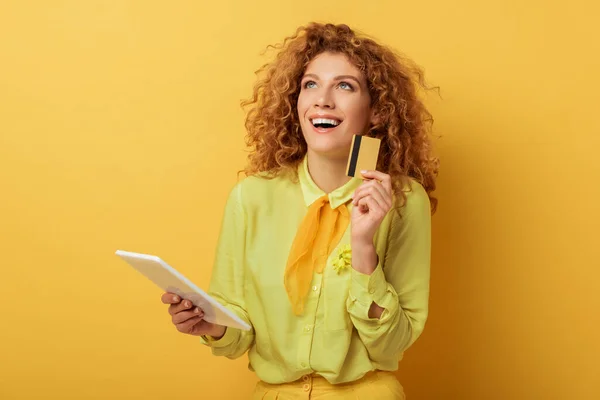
point(375, 118)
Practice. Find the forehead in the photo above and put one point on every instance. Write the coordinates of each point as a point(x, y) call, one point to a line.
point(330, 65)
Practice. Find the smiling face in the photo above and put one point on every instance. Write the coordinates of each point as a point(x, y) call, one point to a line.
point(333, 105)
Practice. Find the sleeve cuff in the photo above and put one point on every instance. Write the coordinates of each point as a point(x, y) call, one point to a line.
point(230, 336)
point(366, 289)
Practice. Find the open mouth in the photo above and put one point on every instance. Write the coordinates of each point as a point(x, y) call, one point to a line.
point(325, 124)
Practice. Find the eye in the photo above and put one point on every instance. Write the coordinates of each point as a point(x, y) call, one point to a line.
point(346, 86)
point(309, 84)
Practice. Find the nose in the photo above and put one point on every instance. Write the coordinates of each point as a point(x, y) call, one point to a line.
point(324, 99)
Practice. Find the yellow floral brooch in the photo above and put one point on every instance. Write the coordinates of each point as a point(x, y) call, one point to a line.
point(343, 259)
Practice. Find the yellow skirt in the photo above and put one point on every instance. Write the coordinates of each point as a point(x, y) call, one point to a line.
point(377, 385)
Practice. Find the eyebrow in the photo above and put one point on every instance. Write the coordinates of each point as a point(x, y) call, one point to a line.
point(337, 78)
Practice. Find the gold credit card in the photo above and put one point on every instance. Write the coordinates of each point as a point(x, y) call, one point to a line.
point(363, 155)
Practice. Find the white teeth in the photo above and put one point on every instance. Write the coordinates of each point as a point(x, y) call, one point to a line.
point(333, 122)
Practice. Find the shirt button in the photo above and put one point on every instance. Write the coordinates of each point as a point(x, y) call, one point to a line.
point(307, 328)
point(371, 290)
point(305, 378)
point(303, 365)
point(315, 288)
point(306, 387)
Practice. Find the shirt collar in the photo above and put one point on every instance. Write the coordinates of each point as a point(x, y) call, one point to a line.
point(312, 192)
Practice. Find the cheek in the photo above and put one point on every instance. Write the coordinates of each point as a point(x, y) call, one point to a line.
point(302, 105)
point(360, 113)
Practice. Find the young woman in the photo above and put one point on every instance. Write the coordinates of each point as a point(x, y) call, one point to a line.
point(331, 272)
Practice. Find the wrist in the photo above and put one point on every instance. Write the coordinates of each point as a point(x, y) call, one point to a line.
point(364, 257)
point(217, 332)
point(361, 244)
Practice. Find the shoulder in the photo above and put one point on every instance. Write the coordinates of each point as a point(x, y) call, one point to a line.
point(413, 206)
point(417, 198)
point(256, 189)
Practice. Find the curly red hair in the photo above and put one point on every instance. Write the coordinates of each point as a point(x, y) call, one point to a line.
point(404, 123)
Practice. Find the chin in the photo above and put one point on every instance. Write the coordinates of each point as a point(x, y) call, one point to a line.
point(332, 151)
point(334, 145)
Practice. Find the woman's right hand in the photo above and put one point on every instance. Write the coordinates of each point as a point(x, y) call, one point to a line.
point(189, 319)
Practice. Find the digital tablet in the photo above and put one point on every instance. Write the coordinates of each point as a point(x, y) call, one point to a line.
point(170, 280)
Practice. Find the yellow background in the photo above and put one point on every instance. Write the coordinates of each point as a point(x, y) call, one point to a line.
point(120, 127)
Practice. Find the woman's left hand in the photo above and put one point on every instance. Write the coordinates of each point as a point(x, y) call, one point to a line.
point(371, 202)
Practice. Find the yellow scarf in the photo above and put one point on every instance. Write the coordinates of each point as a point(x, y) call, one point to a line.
point(318, 234)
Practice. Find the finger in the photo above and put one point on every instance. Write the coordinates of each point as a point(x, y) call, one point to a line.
point(384, 178)
point(362, 205)
point(373, 187)
point(361, 192)
point(177, 308)
point(183, 316)
point(170, 298)
point(376, 184)
point(377, 193)
point(381, 196)
point(358, 196)
point(375, 209)
point(187, 326)
point(385, 192)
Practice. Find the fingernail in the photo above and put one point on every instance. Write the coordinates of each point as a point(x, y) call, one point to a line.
point(196, 310)
point(175, 299)
point(363, 171)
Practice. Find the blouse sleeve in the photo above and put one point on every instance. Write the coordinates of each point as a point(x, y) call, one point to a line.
point(227, 279)
point(399, 284)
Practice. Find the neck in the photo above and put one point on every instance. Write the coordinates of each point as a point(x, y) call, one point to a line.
point(327, 173)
